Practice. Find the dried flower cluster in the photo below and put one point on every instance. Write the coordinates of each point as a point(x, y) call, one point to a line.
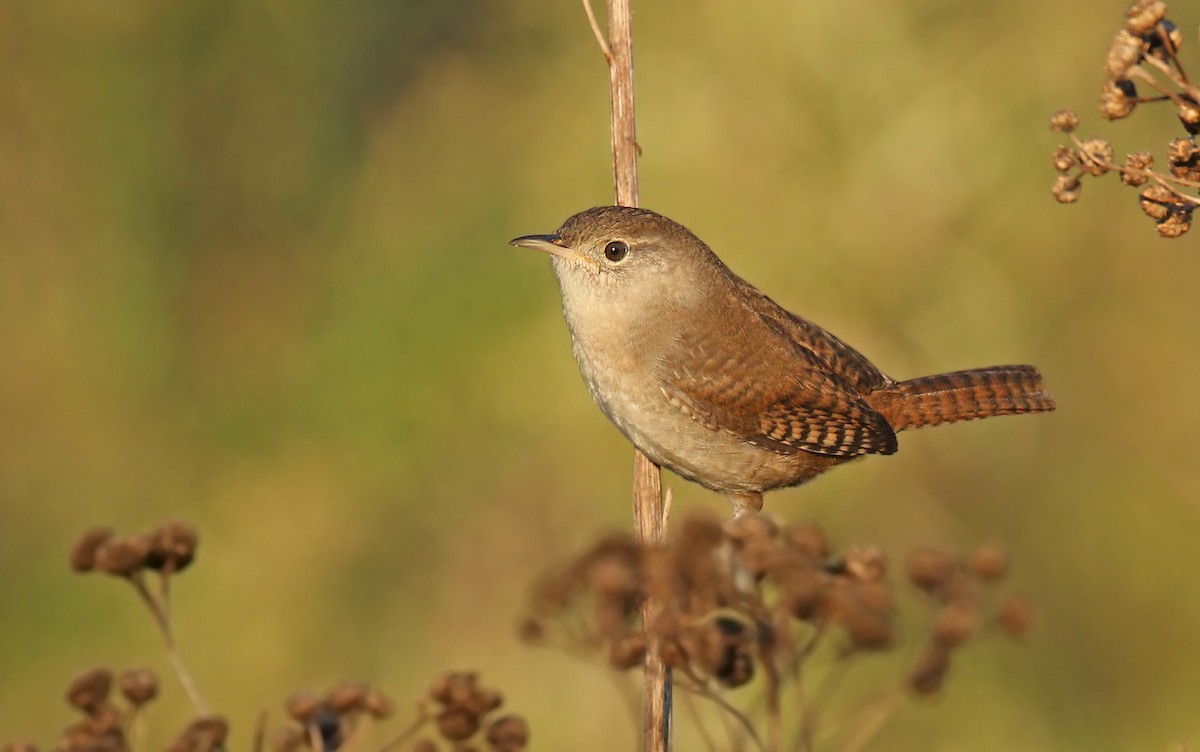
point(465, 716)
point(329, 722)
point(1145, 52)
point(168, 549)
point(106, 722)
point(752, 597)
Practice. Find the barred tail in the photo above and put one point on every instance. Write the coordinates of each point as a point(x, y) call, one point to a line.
point(962, 395)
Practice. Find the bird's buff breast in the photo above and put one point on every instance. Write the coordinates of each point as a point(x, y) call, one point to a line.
point(623, 381)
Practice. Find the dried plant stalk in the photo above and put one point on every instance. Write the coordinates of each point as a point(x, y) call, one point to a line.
point(649, 506)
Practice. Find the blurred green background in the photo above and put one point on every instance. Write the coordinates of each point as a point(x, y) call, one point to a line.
point(253, 274)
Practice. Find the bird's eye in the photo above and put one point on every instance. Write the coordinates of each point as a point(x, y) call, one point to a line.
point(616, 250)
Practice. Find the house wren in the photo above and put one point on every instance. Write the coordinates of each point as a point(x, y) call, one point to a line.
point(714, 380)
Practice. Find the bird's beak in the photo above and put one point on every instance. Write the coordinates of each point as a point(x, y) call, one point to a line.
point(551, 244)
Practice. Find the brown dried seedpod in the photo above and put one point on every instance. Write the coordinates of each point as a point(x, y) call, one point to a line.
point(1144, 15)
point(1015, 616)
point(83, 551)
point(347, 697)
point(483, 701)
point(1064, 158)
point(204, 734)
point(90, 689)
point(1066, 189)
point(929, 568)
point(1064, 121)
point(455, 688)
point(1124, 53)
point(457, 724)
point(954, 624)
point(1137, 165)
point(378, 704)
point(1156, 201)
point(508, 733)
point(303, 706)
point(988, 562)
point(138, 685)
point(724, 651)
point(866, 563)
point(172, 547)
point(1118, 99)
point(1097, 156)
point(122, 557)
point(1178, 222)
point(864, 611)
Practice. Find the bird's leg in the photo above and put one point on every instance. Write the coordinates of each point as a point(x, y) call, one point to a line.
point(745, 503)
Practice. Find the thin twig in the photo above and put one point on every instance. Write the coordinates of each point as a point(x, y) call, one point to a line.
point(163, 619)
point(600, 40)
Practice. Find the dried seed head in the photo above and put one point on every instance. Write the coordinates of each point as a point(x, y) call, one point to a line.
point(1156, 201)
point(809, 539)
point(1117, 99)
point(627, 652)
point(1137, 164)
point(122, 557)
point(172, 547)
point(483, 701)
point(509, 733)
point(1066, 189)
point(1015, 616)
point(1064, 121)
point(1182, 151)
point(723, 651)
point(929, 674)
point(1064, 158)
point(988, 562)
point(1189, 115)
point(138, 685)
point(302, 706)
point(90, 689)
point(1124, 53)
point(83, 552)
point(929, 568)
point(1175, 224)
point(864, 611)
point(454, 687)
point(1097, 156)
point(1144, 15)
point(457, 724)
point(866, 563)
point(378, 704)
point(205, 734)
point(347, 697)
point(954, 625)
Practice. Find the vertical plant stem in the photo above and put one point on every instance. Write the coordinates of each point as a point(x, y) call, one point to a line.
point(649, 507)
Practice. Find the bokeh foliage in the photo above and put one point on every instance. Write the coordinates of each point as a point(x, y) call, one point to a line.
point(253, 274)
